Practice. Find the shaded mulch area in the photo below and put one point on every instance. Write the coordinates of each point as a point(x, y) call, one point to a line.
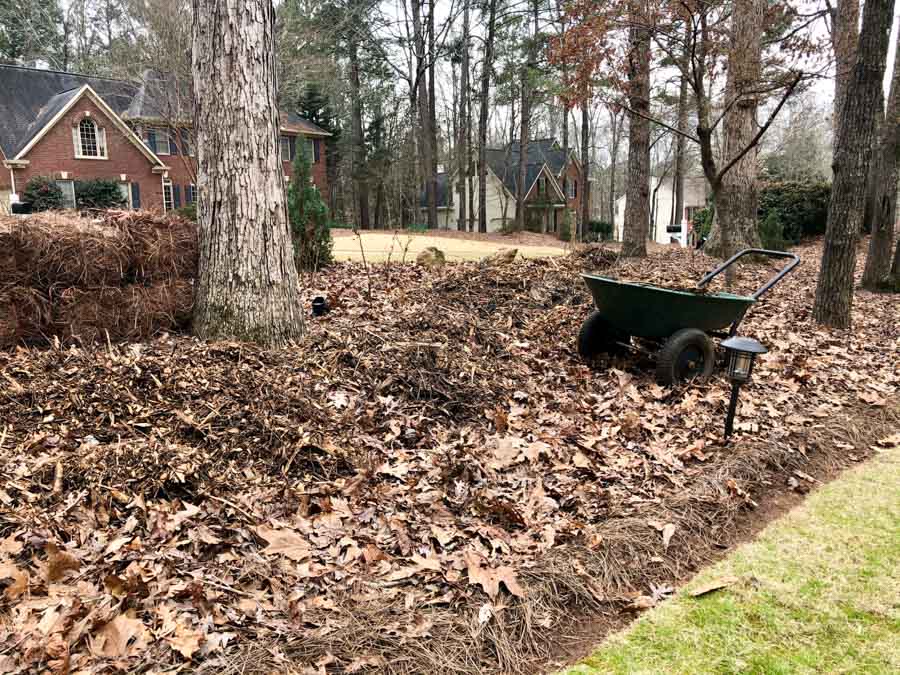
point(431, 480)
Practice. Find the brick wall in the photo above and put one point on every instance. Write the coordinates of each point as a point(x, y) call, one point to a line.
point(317, 169)
point(55, 153)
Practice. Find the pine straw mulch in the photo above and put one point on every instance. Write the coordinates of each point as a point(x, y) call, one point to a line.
point(430, 481)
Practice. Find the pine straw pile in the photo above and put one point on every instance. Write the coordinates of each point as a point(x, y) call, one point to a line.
point(431, 481)
point(124, 275)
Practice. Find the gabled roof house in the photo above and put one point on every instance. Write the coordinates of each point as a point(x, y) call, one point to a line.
point(553, 183)
point(74, 127)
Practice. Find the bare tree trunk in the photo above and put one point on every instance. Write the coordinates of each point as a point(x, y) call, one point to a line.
point(678, 202)
point(637, 201)
point(464, 125)
point(834, 292)
point(737, 201)
point(247, 284)
point(883, 175)
point(432, 122)
point(844, 38)
point(486, 67)
point(586, 169)
point(360, 180)
point(524, 132)
point(616, 129)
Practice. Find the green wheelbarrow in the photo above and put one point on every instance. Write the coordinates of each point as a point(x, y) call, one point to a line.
point(680, 324)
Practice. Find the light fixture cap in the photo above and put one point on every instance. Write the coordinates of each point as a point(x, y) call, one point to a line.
point(744, 344)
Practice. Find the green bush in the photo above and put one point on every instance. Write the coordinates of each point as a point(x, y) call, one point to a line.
point(565, 227)
point(189, 211)
point(703, 222)
point(43, 193)
point(598, 230)
point(99, 193)
point(419, 228)
point(771, 232)
point(801, 208)
point(308, 215)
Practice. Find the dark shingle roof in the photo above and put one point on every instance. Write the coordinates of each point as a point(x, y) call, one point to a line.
point(29, 94)
point(29, 98)
point(504, 162)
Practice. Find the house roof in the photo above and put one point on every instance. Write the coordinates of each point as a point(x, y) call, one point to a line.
point(504, 162)
point(542, 150)
point(32, 97)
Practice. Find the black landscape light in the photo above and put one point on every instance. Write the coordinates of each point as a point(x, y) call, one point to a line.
point(742, 353)
point(319, 306)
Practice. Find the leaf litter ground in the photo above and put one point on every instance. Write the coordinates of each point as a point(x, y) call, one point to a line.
point(430, 480)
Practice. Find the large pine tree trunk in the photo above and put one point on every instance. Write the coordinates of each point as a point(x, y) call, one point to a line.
point(637, 199)
point(844, 37)
point(834, 292)
point(883, 175)
point(360, 179)
point(737, 200)
point(247, 285)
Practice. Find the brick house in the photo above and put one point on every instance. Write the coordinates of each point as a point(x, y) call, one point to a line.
point(554, 180)
point(74, 127)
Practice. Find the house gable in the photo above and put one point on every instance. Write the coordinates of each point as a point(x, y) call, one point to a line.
point(547, 174)
point(65, 103)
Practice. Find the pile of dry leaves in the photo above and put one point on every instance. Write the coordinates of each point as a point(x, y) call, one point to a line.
point(432, 480)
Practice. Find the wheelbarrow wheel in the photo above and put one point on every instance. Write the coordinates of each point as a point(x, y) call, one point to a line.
point(597, 336)
point(688, 354)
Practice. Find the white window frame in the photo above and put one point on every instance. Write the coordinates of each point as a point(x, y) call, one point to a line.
point(284, 143)
point(99, 134)
point(190, 194)
point(168, 195)
point(570, 189)
point(311, 143)
point(67, 185)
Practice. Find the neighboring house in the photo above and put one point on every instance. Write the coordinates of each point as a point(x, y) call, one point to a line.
point(74, 127)
point(662, 204)
point(553, 185)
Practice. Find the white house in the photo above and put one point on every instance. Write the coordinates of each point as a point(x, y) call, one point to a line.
point(662, 198)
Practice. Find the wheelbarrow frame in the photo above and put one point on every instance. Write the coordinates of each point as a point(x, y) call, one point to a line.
point(681, 321)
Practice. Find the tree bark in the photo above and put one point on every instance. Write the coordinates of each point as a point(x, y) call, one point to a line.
point(882, 212)
point(834, 292)
point(678, 205)
point(616, 129)
point(486, 67)
point(432, 122)
point(737, 200)
point(586, 170)
point(524, 132)
point(247, 284)
point(360, 179)
point(844, 38)
point(637, 200)
point(462, 149)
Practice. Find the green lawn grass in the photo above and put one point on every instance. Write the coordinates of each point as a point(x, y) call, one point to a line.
point(817, 592)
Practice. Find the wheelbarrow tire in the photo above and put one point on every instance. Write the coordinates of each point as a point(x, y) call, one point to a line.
point(597, 336)
point(687, 355)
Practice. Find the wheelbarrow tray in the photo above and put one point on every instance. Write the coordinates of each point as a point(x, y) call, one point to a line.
point(651, 312)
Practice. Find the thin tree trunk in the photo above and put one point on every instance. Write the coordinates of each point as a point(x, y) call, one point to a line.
point(637, 201)
point(737, 201)
point(247, 284)
point(524, 132)
point(844, 38)
point(462, 149)
point(883, 176)
point(432, 122)
point(486, 67)
point(678, 205)
point(360, 180)
point(616, 128)
point(586, 170)
point(834, 292)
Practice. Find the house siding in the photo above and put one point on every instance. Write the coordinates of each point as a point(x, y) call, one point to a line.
point(55, 153)
point(318, 170)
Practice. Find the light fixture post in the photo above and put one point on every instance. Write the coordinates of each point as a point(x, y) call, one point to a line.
point(742, 353)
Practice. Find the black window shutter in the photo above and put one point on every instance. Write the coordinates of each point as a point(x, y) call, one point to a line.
point(173, 143)
point(316, 150)
point(176, 196)
point(135, 196)
point(292, 141)
point(185, 142)
point(188, 197)
point(151, 139)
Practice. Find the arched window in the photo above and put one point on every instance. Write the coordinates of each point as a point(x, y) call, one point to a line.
point(90, 141)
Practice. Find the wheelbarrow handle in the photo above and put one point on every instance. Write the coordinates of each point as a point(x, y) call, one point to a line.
point(795, 260)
